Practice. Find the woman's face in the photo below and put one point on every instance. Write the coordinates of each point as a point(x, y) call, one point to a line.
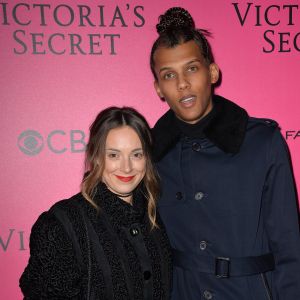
point(125, 162)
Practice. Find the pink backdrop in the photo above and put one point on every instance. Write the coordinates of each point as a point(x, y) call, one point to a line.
point(48, 100)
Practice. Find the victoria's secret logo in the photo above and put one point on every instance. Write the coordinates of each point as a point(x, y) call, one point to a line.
point(272, 16)
point(26, 18)
point(12, 236)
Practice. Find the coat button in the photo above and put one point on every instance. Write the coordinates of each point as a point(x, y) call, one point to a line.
point(196, 147)
point(199, 195)
point(203, 245)
point(178, 195)
point(147, 275)
point(207, 295)
point(134, 231)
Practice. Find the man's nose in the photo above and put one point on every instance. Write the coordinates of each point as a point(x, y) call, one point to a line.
point(183, 83)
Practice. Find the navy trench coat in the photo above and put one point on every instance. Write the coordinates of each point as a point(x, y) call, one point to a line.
point(229, 194)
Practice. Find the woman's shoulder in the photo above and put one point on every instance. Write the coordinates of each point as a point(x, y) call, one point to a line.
point(51, 220)
point(67, 204)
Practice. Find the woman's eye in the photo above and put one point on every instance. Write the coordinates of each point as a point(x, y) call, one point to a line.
point(138, 155)
point(112, 155)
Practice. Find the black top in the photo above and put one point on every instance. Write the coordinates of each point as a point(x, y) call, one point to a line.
point(195, 130)
point(127, 259)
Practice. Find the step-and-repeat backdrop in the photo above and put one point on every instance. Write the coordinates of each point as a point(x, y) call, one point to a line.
point(63, 61)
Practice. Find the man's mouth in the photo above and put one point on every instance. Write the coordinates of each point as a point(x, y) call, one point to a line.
point(187, 99)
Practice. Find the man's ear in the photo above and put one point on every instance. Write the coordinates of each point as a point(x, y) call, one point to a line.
point(158, 91)
point(214, 73)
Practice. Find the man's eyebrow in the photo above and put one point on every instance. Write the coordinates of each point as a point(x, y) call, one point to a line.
point(187, 63)
point(164, 69)
point(194, 60)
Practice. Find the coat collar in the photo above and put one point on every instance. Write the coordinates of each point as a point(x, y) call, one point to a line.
point(119, 212)
point(226, 129)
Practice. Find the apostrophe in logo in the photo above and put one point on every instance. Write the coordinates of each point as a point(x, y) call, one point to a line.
point(30, 142)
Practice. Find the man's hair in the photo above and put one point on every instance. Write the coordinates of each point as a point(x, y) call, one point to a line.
point(176, 26)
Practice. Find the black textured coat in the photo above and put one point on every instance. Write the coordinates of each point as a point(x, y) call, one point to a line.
point(228, 193)
point(127, 260)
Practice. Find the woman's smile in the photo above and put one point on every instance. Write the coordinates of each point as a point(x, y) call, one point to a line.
point(125, 179)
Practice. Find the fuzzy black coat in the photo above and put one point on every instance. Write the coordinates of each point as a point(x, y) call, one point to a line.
point(115, 248)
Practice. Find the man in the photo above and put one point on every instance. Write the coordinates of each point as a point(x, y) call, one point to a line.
point(228, 199)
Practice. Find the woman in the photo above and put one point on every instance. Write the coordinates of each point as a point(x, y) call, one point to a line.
point(106, 242)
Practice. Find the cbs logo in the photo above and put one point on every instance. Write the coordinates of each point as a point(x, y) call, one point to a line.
point(31, 142)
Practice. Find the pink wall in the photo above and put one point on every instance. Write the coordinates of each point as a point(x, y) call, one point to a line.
point(57, 96)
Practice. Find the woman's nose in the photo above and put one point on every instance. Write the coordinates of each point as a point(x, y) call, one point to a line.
point(126, 165)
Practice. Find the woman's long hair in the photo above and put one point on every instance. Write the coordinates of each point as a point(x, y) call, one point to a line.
point(108, 119)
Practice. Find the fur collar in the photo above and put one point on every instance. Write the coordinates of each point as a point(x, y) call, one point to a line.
point(226, 130)
point(119, 212)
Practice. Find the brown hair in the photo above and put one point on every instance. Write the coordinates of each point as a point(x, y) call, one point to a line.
point(110, 118)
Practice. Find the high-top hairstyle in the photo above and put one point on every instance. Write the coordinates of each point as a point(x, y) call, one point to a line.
point(176, 26)
point(108, 119)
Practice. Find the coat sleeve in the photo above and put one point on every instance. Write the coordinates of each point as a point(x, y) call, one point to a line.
point(282, 221)
point(52, 270)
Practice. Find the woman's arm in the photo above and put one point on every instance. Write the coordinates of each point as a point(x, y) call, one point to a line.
point(52, 270)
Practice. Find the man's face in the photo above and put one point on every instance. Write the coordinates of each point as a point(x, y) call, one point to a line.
point(184, 80)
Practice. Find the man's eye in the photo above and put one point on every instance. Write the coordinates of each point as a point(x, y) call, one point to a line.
point(192, 68)
point(169, 76)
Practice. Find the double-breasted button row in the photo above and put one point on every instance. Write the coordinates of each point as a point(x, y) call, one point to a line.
point(207, 295)
point(203, 245)
point(178, 195)
point(196, 147)
point(199, 195)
